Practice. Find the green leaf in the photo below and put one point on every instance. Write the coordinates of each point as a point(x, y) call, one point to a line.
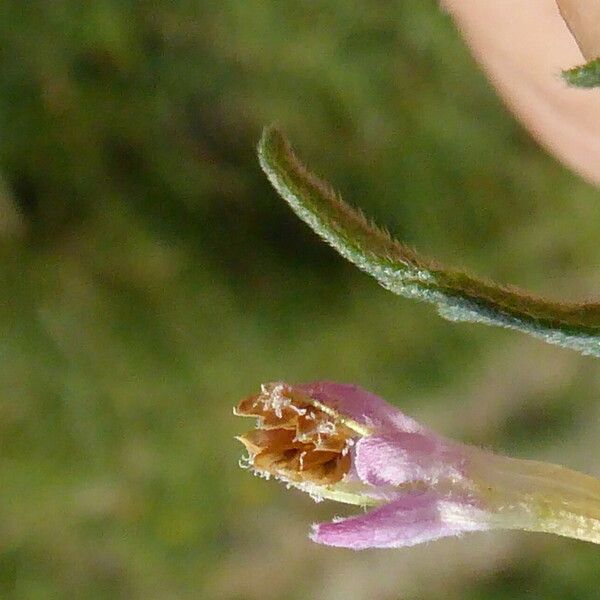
point(457, 295)
point(584, 76)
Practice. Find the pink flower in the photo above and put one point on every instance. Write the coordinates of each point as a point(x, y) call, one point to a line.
point(343, 443)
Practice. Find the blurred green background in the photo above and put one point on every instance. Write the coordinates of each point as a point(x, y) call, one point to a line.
point(150, 278)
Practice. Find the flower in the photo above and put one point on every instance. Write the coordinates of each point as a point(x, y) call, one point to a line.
point(340, 442)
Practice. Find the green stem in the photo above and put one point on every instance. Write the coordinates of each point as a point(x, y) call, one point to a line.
point(457, 295)
point(538, 496)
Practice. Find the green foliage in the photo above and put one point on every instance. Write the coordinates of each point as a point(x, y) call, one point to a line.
point(584, 76)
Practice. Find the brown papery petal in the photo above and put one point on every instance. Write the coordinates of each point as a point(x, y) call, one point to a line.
point(295, 439)
point(276, 440)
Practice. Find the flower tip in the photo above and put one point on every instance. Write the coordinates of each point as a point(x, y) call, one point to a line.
point(337, 534)
point(247, 444)
point(296, 438)
point(313, 534)
point(326, 535)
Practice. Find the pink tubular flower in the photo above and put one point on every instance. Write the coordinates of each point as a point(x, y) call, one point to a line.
point(343, 443)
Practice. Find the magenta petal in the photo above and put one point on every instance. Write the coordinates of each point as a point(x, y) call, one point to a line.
point(414, 518)
point(402, 457)
point(361, 405)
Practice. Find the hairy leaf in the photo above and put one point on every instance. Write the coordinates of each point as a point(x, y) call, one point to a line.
point(584, 76)
point(457, 295)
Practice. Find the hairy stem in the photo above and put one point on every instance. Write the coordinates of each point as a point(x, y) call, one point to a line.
point(457, 295)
